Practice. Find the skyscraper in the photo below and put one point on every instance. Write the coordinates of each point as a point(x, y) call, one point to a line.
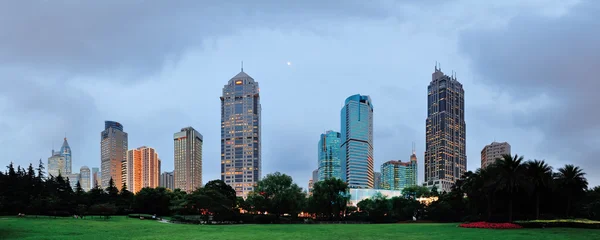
point(188, 159)
point(96, 176)
point(167, 180)
point(491, 152)
point(240, 134)
point(73, 179)
point(65, 151)
point(377, 180)
point(329, 156)
point(142, 169)
point(445, 138)
point(356, 151)
point(56, 165)
point(84, 178)
point(396, 175)
point(113, 153)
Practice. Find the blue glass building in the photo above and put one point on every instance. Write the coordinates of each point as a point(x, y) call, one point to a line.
point(356, 148)
point(329, 156)
point(396, 175)
point(65, 151)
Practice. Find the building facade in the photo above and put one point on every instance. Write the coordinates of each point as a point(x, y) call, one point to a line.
point(96, 176)
point(113, 153)
point(143, 168)
point(84, 178)
point(329, 162)
point(356, 147)
point(445, 154)
point(167, 180)
point(377, 183)
point(56, 165)
point(491, 152)
point(240, 134)
point(65, 151)
point(188, 159)
point(73, 179)
point(397, 175)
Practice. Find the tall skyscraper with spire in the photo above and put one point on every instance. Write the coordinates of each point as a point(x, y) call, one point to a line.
point(445, 137)
point(240, 134)
point(356, 149)
point(113, 153)
point(65, 151)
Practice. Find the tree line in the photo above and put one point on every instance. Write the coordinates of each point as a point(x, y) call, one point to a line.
point(508, 190)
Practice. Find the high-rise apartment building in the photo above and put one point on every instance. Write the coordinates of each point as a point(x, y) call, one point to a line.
point(113, 153)
point(96, 176)
point(330, 165)
point(445, 138)
point(56, 165)
point(167, 180)
point(396, 175)
point(84, 178)
point(188, 159)
point(240, 134)
point(143, 168)
point(491, 152)
point(356, 148)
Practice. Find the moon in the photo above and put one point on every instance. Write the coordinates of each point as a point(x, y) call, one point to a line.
point(289, 63)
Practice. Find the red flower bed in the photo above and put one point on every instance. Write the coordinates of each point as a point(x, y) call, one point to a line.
point(490, 225)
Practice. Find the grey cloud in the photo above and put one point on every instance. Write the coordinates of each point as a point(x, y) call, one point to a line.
point(556, 57)
point(138, 37)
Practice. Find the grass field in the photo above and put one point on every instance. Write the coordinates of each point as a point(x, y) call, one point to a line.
point(129, 228)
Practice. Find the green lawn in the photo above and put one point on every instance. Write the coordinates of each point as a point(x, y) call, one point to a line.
point(129, 228)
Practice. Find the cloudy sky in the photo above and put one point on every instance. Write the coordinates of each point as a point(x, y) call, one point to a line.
point(156, 66)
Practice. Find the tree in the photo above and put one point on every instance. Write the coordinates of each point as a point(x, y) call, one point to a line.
point(224, 189)
point(125, 200)
point(540, 176)
point(511, 177)
point(280, 194)
point(40, 170)
point(329, 197)
point(416, 191)
point(112, 191)
point(572, 182)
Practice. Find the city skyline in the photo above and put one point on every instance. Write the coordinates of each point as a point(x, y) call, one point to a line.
point(518, 88)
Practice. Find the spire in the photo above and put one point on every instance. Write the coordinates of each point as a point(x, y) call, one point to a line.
point(413, 148)
point(242, 66)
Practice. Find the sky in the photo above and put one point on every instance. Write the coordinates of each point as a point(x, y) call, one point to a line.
point(527, 67)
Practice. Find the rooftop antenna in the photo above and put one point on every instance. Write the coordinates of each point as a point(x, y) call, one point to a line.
point(436, 63)
point(242, 65)
point(413, 148)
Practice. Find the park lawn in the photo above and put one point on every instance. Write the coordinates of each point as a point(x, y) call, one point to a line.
point(129, 228)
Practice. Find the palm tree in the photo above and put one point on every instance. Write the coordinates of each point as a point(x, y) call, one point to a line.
point(511, 177)
point(540, 175)
point(572, 181)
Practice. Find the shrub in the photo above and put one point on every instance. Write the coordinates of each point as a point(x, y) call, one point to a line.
point(490, 225)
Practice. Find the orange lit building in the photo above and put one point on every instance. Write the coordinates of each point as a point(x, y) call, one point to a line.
point(143, 168)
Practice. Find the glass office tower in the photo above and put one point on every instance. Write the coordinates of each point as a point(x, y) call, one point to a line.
point(445, 137)
point(356, 149)
point(329, 156)
point(240, 134)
